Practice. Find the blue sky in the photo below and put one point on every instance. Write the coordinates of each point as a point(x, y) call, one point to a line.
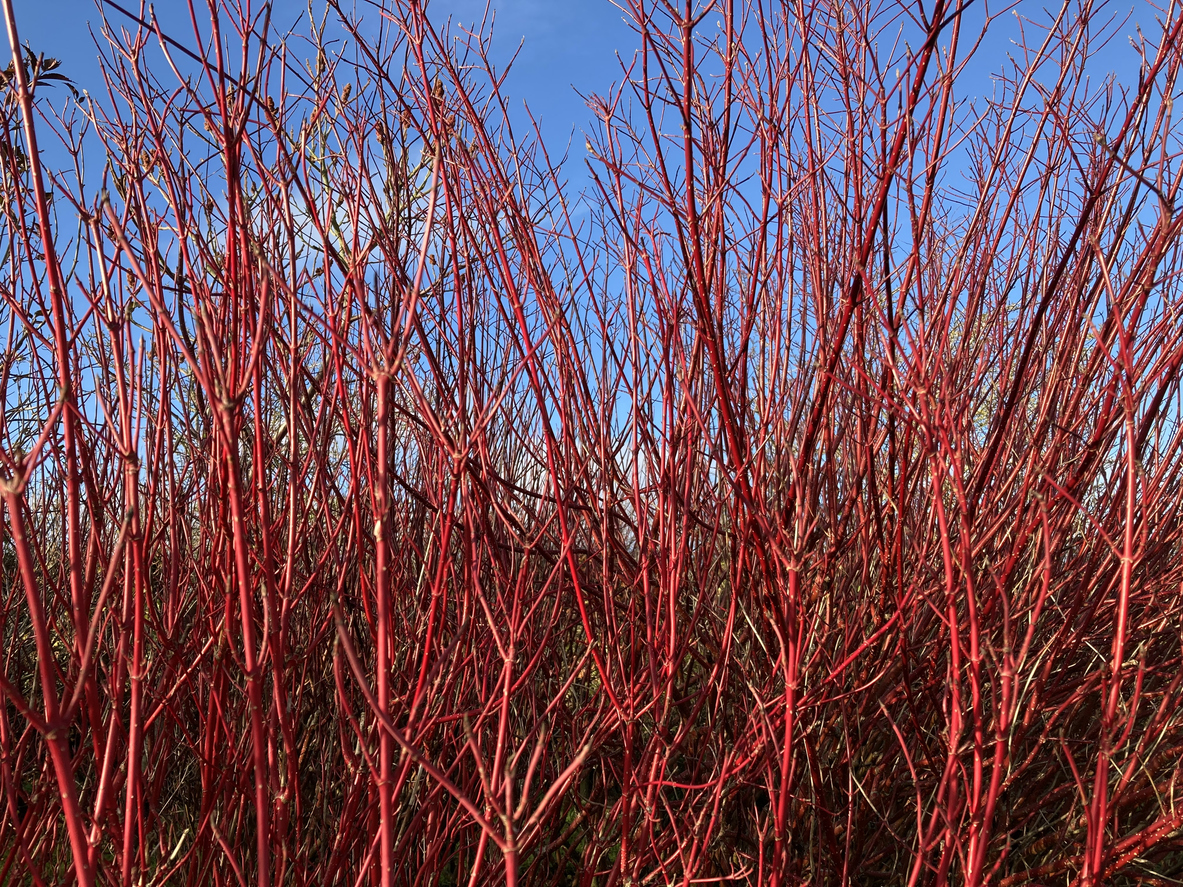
point(566, 44)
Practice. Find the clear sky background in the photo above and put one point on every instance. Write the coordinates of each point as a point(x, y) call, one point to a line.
point(566, 45)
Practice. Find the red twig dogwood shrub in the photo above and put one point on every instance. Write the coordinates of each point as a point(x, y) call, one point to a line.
point(799, 504)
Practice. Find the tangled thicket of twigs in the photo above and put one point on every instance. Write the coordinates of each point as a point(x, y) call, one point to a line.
point(800, 505)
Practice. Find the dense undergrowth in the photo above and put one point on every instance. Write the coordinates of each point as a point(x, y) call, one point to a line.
point(798, 505)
